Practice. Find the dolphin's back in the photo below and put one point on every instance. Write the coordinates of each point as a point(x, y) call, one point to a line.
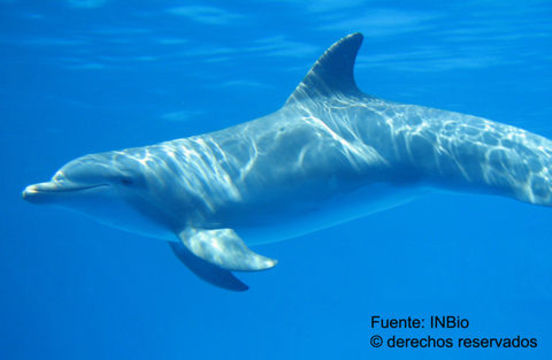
point(454, 150)
point(331, 139)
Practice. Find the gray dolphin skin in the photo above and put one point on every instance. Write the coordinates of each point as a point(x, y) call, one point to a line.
point(329, 155)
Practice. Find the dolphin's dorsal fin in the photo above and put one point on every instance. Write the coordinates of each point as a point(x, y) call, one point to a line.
point(333, 73)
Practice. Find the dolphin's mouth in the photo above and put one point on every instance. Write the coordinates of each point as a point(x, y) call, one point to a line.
point(41, 191)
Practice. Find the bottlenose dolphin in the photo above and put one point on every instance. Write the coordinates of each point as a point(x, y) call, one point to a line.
point(329, 155)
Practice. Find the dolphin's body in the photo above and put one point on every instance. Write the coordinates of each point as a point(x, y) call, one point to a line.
point(329, 155)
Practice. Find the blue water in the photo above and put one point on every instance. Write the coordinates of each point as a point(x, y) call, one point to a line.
point(93, 75)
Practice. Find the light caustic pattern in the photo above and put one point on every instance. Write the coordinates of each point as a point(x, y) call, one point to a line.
point(310, 148)
point(466, 150)
point(450, 149)
point(346, 137)
point(460, 151)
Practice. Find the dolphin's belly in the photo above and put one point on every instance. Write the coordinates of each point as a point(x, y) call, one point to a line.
point(258, 226)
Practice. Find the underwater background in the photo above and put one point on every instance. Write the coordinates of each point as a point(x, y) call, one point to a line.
point(84, 76)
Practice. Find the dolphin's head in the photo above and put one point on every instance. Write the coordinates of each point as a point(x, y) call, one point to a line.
point(111, 187)
point(90, 176)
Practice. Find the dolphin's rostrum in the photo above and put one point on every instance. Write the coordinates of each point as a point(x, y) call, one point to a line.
point(329, 155)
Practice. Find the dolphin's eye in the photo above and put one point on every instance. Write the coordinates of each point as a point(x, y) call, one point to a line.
point(126, 181)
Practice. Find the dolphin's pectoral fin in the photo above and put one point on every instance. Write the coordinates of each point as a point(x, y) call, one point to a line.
point(207, 271)
point(224, 248)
